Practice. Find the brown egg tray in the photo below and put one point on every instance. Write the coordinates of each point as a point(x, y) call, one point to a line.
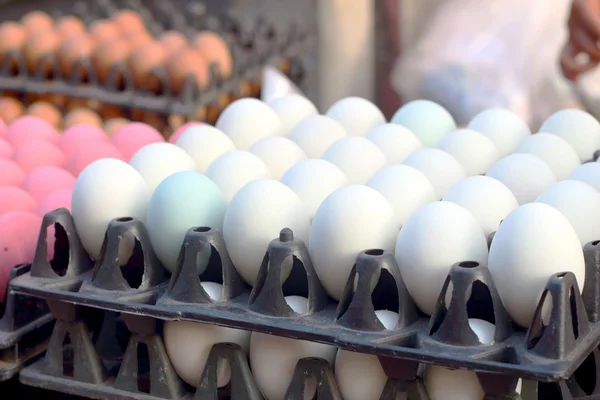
point(255, 40)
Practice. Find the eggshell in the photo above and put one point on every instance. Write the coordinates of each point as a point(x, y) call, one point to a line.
point(113, 125)
point(36, 21)
point(47, 112)
point(588, 173)
point(42, 181)
point(173, 41)
point(82, 116)
point(357, 157)
point(433, 238)
point(183, 128)
point(335, 242)
point(442, 170)
point(106, 189)
point(15, 199)
point(75, 136)
point(358, 116)
point(129, 21)
point(215, 51)
point(108, 54)
point(27, 128)
point(38, 153)
point(72, 50)
point(553, 150)
point(292, 109)
point(474, 151)
point(103, 30)
point(55, 200)
point(316, 134)
point(278, 153)
point(12, 173)
point(132, 137)
point(10, 110)
point(6, 149)
point(90, 152)
point(144, 59)
point(39, 45)
point(525, 175)
point(69, 26)
point(579, 128)
point(12, 37)
point(395, 141)
point(426, 119)
point(501, 126)
point(204, 144)
point(187, 63)
point(532, 243)
point(313, 180)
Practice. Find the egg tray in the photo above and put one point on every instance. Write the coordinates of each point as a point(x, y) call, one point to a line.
point(25, 329)
point(549, 350)
point(254, 41)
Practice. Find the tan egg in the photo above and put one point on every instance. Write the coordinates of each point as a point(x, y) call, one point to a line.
point(10, 109)
point(186, 63)
point(58, 100)
point(81, 116)
point(215, 51)
point(37, 21)
point(69, 26)
point(129, 21)
point(173, 41)
point(155, 120)
point(72, 50)
point(108, 111)
point(47, 112)
point(175, 121)
point(137, 39)
point(144, 59)
point(104, 30)
point(12, 39)
point(108, 55)
point(113, 125)
point(75, 103)
point(37, 47)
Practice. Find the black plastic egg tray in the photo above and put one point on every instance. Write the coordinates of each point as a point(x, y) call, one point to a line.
point(256, 37)
point(142, 291)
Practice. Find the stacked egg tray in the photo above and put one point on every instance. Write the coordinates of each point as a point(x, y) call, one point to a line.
point(255, 37)
point(558, 354)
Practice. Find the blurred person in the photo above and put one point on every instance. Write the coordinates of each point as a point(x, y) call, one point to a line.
point(581, 53)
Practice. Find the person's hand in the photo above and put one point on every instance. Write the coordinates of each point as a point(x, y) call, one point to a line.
point(584, 36)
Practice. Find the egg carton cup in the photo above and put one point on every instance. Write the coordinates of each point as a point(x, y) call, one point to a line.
point(25, 329)
point(253, 43)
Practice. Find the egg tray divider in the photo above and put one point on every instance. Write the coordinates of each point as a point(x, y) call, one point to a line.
point(544, 353)
point(253, 45)
point(25, 329)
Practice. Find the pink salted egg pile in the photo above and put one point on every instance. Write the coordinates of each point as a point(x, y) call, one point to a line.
point(28, 128)
point(132, 137)
point(43, 181)
point(6, 150)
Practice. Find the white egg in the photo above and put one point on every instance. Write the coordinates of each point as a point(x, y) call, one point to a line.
point(503, 127)
point(433, 238)
point(204, 144)
point(292, 108)
point(235, 169)
point(315, 134)
point(278, 154)
point(488, 199)
point(588, 173)
point(579, 128)
point(106, 189)
point(360, 376)
point(350, 220)
point(182, 201)
point(313, 180)
point(553, 150)
point(525, 175)
point(255, 216)
point(357, 157)
point(442, 170)
point(532, 243)
point(188, 344)
point(395, 141)
point(406, 188)
point(358, 116)
point(248, 120)
point(156, 161)
point(274, 358)
point(474, 151)
point(580, 203)
point(426, 119)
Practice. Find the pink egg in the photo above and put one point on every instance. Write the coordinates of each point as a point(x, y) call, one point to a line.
point(6, 149)
point(132, 137)
point(12, 174)
point(19, 232)
point(38, 153)
point(28, 128)
point(2, 127)
point(15, 199)
point(78, 135)
point(179, 131)
point(59, 199)
point(89, 153)
point(45, 180)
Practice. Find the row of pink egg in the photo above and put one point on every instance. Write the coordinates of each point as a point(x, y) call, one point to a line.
point(38, 168)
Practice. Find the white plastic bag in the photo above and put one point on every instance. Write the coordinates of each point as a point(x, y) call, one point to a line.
point(478, 54)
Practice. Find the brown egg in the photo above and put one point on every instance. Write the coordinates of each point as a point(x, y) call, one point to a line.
point(137, 39)
point(80, 116)
point(104, 30)
point(58, 100)
point(175, 121)
point(47, 112)
point(108, 111)
point(10, 109)
point(144, 59)
point(185, 63)
point(173, 41)
point(215, 51)
point(114, 124)
point(12, 38)
point(108, 55)
point(154, 119)
point(37, 21)
point(37, 47)
point(69, 26)
point(75, 103)
point(129, 21)
point(72, 50)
